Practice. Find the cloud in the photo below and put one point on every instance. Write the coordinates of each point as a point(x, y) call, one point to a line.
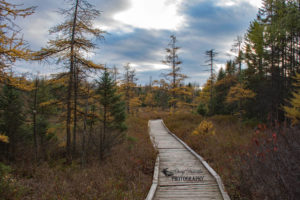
point(36, 27)
point(154, 14)
point(139, 32)
point(211, 26)
point(255, 3)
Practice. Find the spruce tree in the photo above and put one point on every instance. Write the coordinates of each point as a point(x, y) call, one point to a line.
point(272, 57)
point(221, 74)
point(43, 107)
point(11, 119)
point(112, 113)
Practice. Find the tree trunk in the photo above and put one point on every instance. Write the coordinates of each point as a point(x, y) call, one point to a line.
point(75, 107)
point(34, 120)
point(104, 125)
point(83, 150)
point(70, 87)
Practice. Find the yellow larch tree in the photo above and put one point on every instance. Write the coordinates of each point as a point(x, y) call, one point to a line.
point(12, 45)
point(72, 43)
point(293, 111)
point(238, 94)
point(149, 99)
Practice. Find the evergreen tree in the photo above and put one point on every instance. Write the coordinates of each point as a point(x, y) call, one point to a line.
point(221, 74)
point(222, 87)
point(112, 113)
point(205, 96)
point(202, 109)
point(272, 57)
point(43, 107)
point(230, 68)
point(11, 119)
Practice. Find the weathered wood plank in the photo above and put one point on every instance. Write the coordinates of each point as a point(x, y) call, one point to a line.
point(182, 174)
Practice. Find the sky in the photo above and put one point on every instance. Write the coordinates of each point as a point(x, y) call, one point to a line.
point(138, 31)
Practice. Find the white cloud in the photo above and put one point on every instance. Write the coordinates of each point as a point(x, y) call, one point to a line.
point(255, 3)
point(139, 31)
point(154, 14)
point(144, 66)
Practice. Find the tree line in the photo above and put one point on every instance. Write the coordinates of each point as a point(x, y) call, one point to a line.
point(260, 82)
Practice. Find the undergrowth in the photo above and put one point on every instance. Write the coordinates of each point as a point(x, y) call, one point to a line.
point(220, 149)
point(125, 174)
point(254, 161)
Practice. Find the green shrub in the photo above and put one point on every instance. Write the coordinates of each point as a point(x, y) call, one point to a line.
point(4, 179)
point(202, 109)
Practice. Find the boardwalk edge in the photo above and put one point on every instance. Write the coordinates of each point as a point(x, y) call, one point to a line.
point(153, 188)
point(206, 165)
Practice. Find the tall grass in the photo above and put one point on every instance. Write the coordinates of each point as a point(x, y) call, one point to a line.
point(125, 174)
point(221, 150)
point(254, 162)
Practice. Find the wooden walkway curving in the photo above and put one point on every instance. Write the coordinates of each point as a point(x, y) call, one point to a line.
point(181, 173)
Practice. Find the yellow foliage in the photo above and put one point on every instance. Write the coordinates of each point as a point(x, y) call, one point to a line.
point(135, 102)
point(186, 91)
point(204, 128)
point(172, 101)
point(62, 144)
point(238, 93)
point(293, 112)
point(185, 105)
point(297, 78)
point(60, 79)
point(48, 103)
point(19, 82)
point(51, 130)
point(12, 45)
point(204, 95)
point(149, 100)
point(4, 138)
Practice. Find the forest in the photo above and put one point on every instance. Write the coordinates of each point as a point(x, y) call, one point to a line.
point(81, 133)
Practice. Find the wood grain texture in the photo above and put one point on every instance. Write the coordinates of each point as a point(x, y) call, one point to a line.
point(181, 173)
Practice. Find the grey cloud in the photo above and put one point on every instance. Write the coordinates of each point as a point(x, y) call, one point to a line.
point(207, 26)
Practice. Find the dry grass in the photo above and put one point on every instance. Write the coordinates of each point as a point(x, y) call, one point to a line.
point(125, 174)
point(221, 150)
point(254, 162)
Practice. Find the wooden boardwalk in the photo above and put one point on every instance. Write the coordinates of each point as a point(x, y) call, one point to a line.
point(181, 173)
